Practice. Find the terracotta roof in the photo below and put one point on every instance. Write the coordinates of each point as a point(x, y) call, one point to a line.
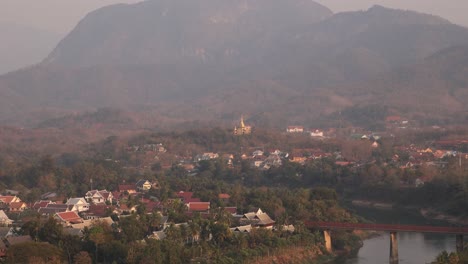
point(7, 199)
point(71, 217)
point(184, 195)
point(224, 196)
point(127, 187)
point(199, 206)
point(232, 210)
point(40, 204)
point(98, 209)
point(116, 195)
point(17, 205)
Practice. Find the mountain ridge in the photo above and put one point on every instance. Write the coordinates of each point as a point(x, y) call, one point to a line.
point(301, 71)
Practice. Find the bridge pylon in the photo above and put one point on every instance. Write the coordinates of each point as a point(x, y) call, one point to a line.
point(393, 248)
point(328, 242)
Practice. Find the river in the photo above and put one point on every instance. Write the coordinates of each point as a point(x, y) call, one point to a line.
point(413, 248)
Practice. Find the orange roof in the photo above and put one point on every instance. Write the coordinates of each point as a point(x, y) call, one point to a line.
point(224, 196)
point(70, 217)
point(7, 199)
point(17, 205)
point(185, 195)
point(393, 118)
point(199, 206)
point(127, 187)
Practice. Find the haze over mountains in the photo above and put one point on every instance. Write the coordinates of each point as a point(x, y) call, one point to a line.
point(16, 50)
point(276, 61)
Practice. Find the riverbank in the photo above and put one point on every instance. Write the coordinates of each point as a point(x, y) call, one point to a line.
point(429, 214)
point(372, 204)
point(437, 215)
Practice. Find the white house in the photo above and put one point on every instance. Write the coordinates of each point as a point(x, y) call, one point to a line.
point(4, 220)
point(143, 185)
point(295, 129)
point(78, 204)
point(98, 197)
point(316, 133)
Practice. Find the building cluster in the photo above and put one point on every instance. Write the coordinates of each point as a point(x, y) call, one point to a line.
point(78, 213)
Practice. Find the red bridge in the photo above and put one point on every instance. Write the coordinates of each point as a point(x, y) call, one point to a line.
point(393, 229)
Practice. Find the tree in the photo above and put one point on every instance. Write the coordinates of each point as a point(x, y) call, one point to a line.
point(82, 257)
point(29, 252)
point(51, 231)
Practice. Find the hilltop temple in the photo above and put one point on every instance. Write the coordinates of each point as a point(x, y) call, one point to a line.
point(242, 129)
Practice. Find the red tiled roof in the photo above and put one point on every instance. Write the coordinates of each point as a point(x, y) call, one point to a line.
point(127, 187)
point(40, 204)
point(393, 118)
point(16, 205)
point(224, 196)
point(71, 217)
point(199, 206)
point(232, 210)
point(185, 195)
point(7, 199)
point(116, 195)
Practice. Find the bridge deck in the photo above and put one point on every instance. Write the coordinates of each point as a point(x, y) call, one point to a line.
point(389, 227)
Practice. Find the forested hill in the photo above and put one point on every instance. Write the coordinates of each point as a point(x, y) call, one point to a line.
point(276, 61)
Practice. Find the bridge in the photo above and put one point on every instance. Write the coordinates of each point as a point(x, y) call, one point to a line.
point(392, 229)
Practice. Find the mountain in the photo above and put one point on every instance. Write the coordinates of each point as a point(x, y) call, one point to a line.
point(276, 61)
point(172, 31)
point(22, 46)
point(437, 87)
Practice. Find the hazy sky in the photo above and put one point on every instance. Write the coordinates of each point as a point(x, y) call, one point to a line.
point(61, 16)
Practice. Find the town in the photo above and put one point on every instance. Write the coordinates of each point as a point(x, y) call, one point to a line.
point(216, 188)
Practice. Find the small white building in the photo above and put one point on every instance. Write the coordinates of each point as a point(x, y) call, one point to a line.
point(295, 129)
point(78, 204)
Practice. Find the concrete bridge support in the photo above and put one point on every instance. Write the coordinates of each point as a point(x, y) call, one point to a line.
point(393, 248)
point(328, 242)
point(459, 243)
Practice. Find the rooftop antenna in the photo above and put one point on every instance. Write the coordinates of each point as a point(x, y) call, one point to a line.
point(91, 181)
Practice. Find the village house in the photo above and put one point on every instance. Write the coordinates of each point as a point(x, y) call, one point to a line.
point(143, 185)
point(68, 218)
point(241, 229)
point(41, 203)
point(52, 209)
point(8, 199)
point(78, 205)
point(4, 220)
point(295, 129)
point(97, 211)
point(18, 206)
point(317, 133)
point(185, 196)
point(206, 156)
point(97, 197)
point(129, 188)
point(257, 218)
point(198, 206)
point(224, 197)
